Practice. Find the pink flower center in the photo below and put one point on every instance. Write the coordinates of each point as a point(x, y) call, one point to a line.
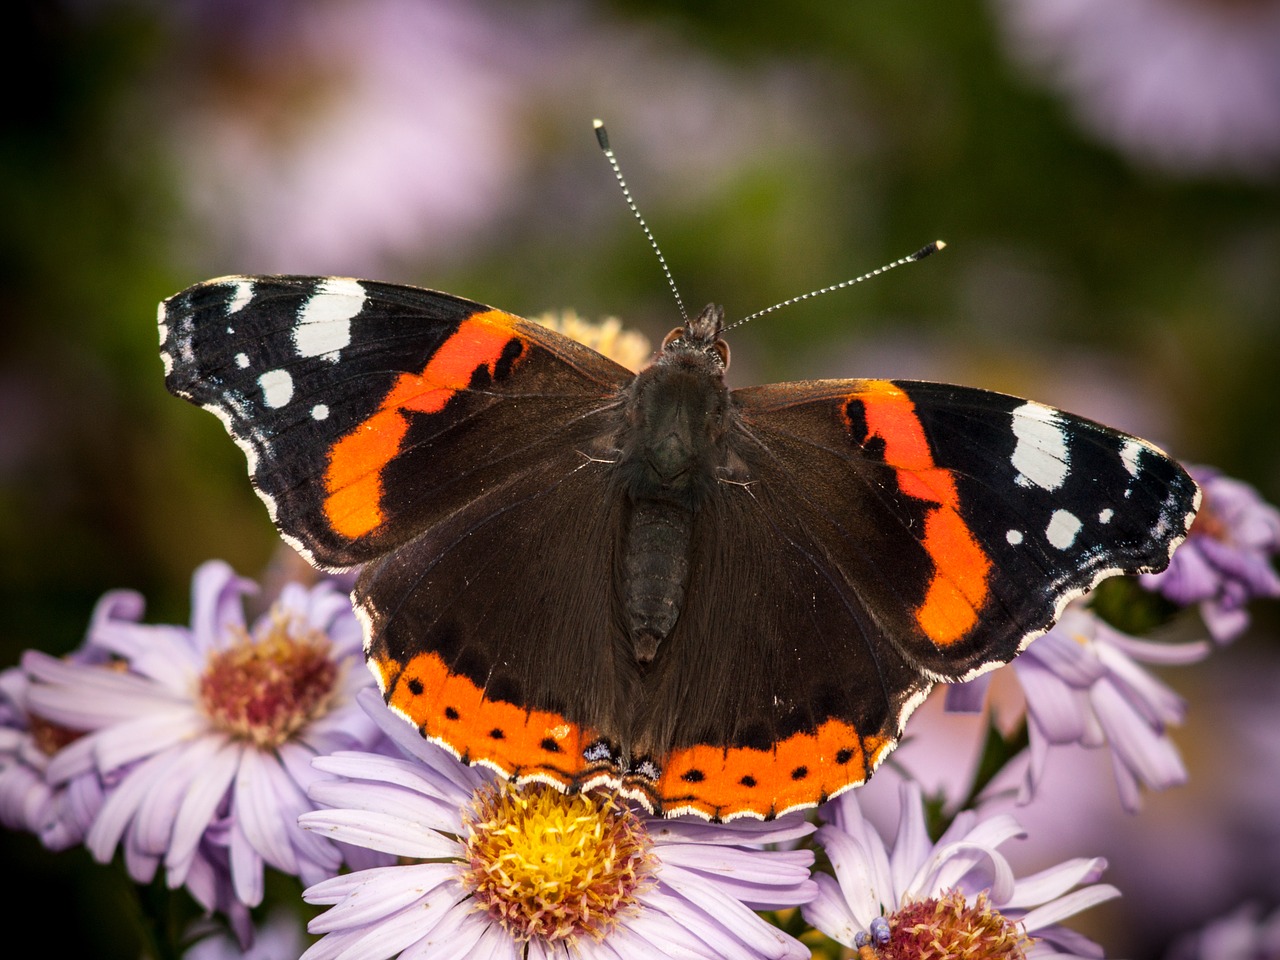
point(264, 690)
point(945, 927)
point(554, 866)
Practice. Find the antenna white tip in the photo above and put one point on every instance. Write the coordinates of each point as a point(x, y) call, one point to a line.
point(937, 244)
point(601, 136)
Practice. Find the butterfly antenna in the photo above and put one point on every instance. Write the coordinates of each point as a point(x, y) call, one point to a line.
point(918, 255)
point(603, 139)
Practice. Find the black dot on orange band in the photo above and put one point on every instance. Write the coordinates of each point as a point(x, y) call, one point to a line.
point(748, 781)
point(450, 713)
point(693, 776)
point(496, 734)
point(799, 773)
point(844, 756)
point(550, 745)
point(415, 687)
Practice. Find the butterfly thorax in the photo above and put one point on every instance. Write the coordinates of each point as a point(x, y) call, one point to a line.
point(672, 450)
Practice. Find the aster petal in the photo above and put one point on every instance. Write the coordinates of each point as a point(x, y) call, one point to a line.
point(122, 803)
point(968, 697)
point(862, 870)
point(829, 912)
point(1062, 651)
point(399, 930)
point(763, 880)
point(1059, 709)
point(957, 862)
point(216, 604)
point(83, 697)
point(372, 894)
point(719, 921)
point(247, 866)
point(692, 830)
point(388, 833)
point(265, 798)
point(159, 726)
point(1151, 756)
point(911, 846)
point(1068, 905)
point(199, 805)
point(1161, 654)
point(1041, 887)
point(414, 789)
point(153, 823)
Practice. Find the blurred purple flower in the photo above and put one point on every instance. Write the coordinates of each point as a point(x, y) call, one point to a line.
point(877, 894)
point(1084, 686)
point(59, 815)
point(1191, 86)
point(203, 736)
point(492, 870)
point(1227, 559)
point(281, 937)
point(1243, 934)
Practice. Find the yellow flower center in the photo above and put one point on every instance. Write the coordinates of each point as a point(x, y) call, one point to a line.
point(264, 690)
point(554, 866)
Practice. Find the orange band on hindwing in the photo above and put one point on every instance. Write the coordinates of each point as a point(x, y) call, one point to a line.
point(958, 588)
point(800, 771)
point(353, 480)
point(452, 710)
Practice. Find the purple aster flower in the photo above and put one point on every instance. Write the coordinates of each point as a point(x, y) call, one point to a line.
point(1243, 934)
point(203, 735)
point(958, 895)
point(1190, 86)
point(281, 937)
point(1085, 686)
point(59, 815)
point(1226, 559)
point(492, 870)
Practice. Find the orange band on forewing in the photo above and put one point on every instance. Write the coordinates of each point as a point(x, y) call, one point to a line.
point(451, 709)
point(958, 587)
point(353, 480)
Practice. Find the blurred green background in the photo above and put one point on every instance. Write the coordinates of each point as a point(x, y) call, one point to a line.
point(1111, 213)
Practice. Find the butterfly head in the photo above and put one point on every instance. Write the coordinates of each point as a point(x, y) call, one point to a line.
point(701, 335)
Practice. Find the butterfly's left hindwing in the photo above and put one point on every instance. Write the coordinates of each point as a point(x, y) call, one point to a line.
point(369, 411)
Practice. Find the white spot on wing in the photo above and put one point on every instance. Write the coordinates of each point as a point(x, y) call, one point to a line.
point(1014, 537)
point(277, 387)
point(242, 360)
point(1040, 456)
point(1062, 529)
point(241, 294)
point(1130, 453)
point(1106, 515)
point(319, 412)
point(324, 325)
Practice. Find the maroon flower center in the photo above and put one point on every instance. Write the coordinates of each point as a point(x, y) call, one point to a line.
point(48, 736)
point(265, 689)
point(945, 927)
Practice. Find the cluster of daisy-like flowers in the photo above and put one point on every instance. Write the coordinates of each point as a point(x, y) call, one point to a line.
point(206, 754)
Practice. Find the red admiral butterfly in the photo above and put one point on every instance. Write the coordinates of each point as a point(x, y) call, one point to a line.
point(720, 601)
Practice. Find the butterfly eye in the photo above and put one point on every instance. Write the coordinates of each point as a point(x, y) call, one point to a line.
point(722, 351)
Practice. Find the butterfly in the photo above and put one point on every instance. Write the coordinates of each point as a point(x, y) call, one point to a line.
point(723, 602)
